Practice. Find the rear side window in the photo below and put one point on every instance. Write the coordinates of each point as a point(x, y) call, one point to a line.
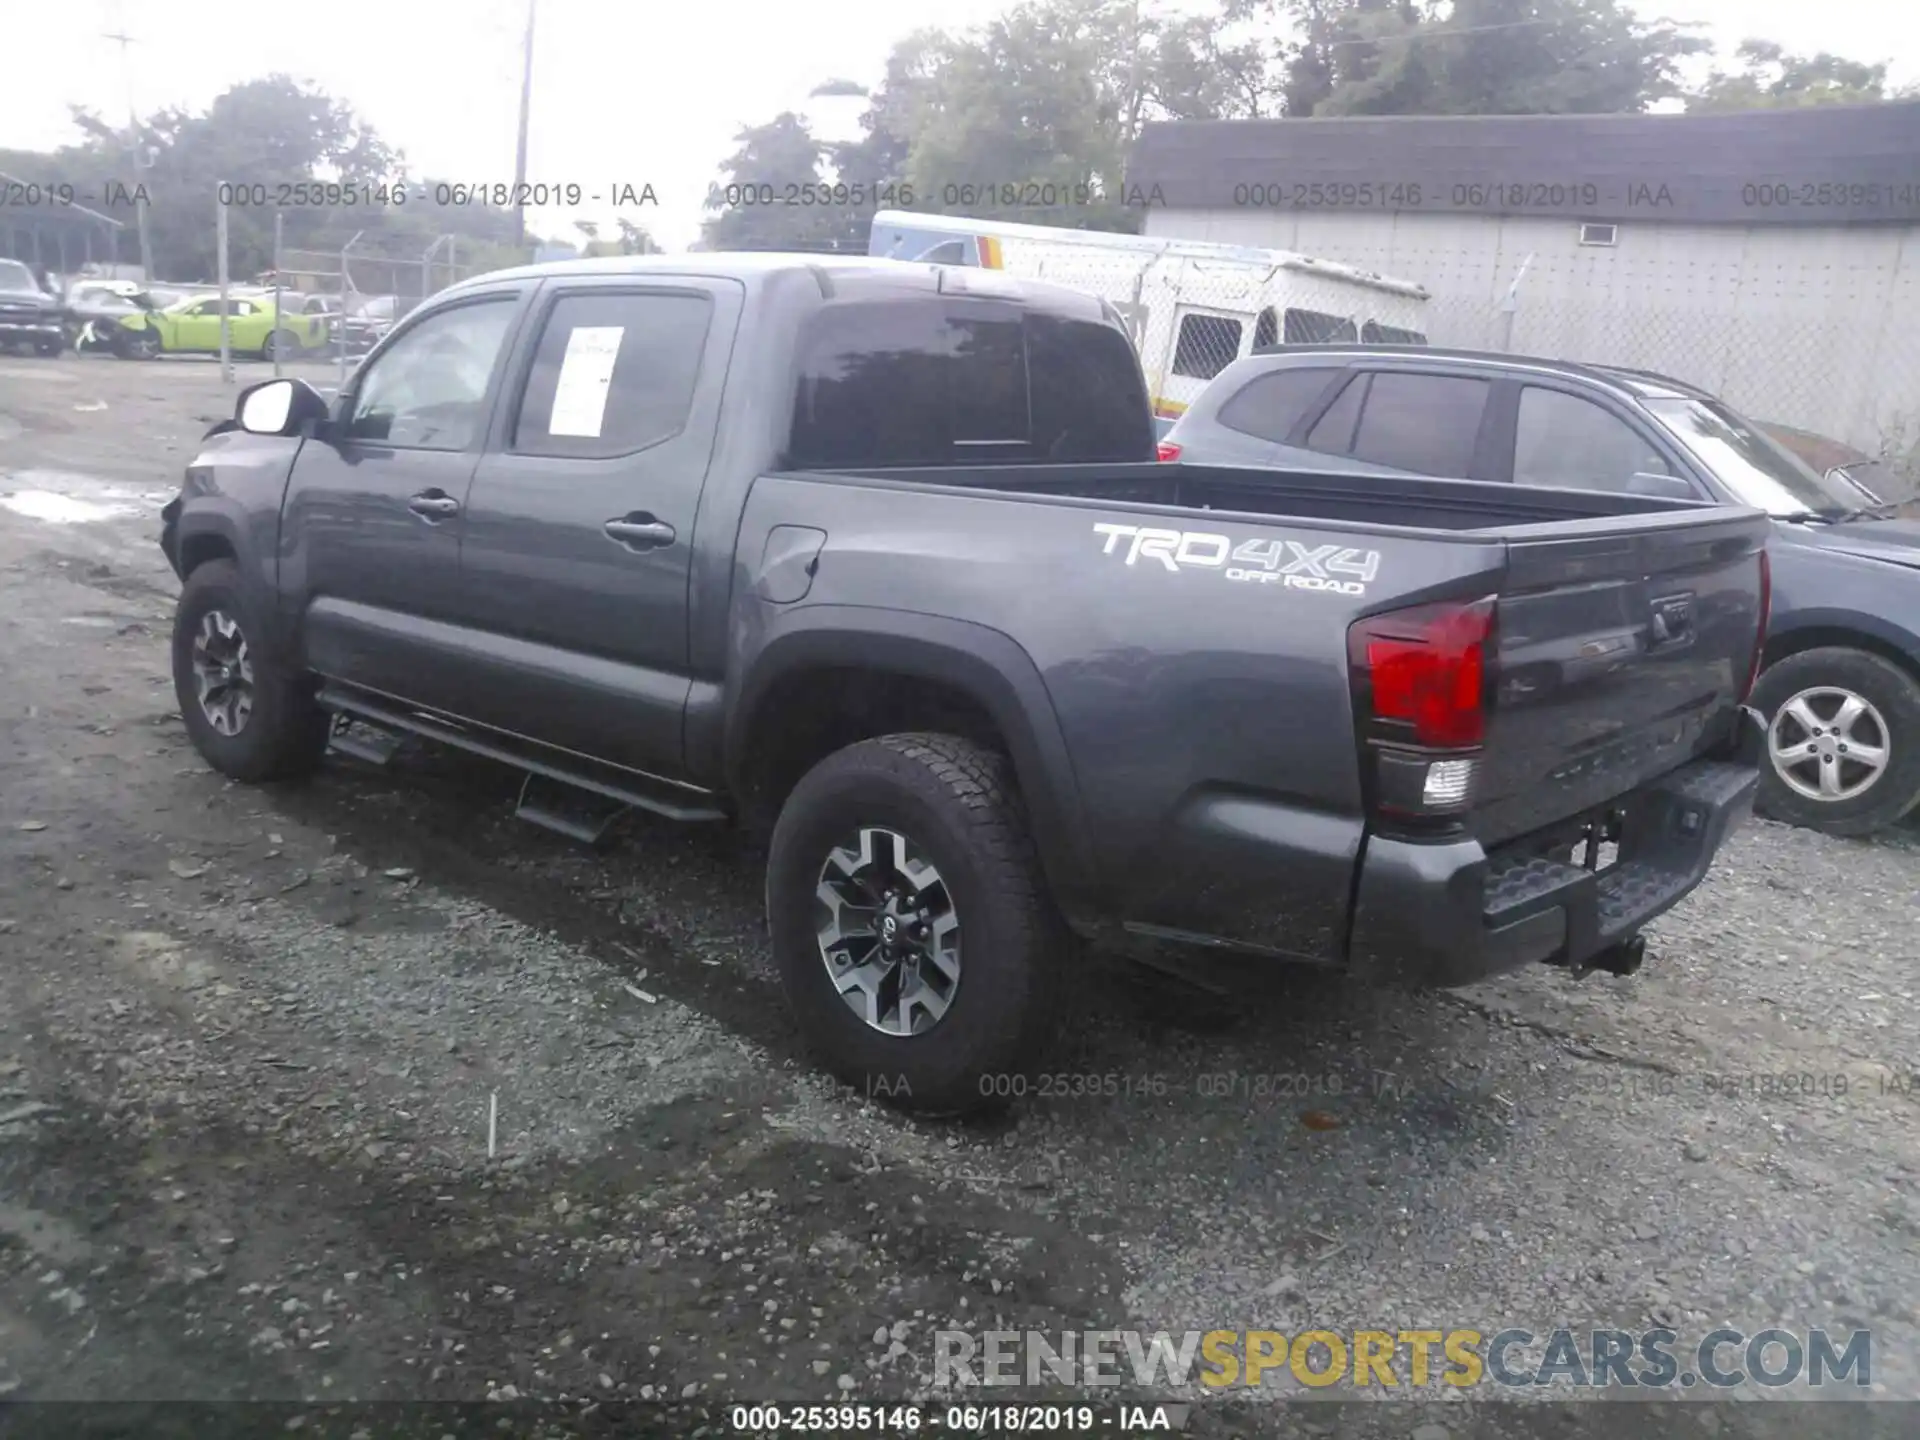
point(614, 373)
point(964, 382)
point(1269, 406)
point(1266, 330)
point(1207, 345)
point(1312, 327)
point(1376, 334)
point(1332, 433)
point(1423, 423)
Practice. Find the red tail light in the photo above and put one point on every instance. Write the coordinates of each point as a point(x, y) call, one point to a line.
point(1167, 450)
point(1426, 668)
point(1766, 616)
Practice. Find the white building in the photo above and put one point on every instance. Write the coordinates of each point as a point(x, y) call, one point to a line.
point(1772, 256)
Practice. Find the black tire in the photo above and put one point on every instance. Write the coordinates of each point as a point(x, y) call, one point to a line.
point(49, 348)
point(958, 803)
point(139, 345)
point(285, 734)
point(1892, 692)
point(282, 343)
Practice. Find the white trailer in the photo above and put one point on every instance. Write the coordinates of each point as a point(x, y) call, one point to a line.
point(1192, 307)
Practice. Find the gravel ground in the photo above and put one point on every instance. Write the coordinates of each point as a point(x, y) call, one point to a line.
point(361, 1089)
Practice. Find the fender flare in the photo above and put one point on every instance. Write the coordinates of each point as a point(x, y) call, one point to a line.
point(986, 664)
point(1896, 638)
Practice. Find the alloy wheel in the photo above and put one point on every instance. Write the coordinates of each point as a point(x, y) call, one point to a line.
point(223, 672)
point(1828, 744)
point(889, 934)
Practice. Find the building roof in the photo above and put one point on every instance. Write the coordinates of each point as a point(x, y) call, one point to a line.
point(1819, 165)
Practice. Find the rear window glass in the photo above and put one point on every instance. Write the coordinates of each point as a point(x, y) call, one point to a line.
point(964, 382)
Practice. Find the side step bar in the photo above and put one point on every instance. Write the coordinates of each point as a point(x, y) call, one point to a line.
point(623, 788)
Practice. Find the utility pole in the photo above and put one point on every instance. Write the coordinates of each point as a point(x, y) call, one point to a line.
point(520, 150)
point(133, 148)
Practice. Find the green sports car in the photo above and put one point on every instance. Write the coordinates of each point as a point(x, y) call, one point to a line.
point(192, 326)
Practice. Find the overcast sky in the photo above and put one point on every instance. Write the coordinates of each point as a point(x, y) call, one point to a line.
point(623, 94)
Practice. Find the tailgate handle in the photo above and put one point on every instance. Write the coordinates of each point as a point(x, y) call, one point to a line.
point(1672, 621)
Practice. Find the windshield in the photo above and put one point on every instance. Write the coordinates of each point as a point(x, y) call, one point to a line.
point(1763, 473)
point(15, 276)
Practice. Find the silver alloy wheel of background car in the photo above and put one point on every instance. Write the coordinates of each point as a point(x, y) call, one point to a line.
point(223, 672)
point(890, 936)
point(1828, 743)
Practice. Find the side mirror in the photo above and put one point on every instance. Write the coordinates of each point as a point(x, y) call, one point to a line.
point(278, 407)
point(1664, 487)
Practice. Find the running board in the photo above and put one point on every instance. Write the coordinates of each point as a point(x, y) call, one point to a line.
point(567, 810)
point(374, 747)
point(623, 788)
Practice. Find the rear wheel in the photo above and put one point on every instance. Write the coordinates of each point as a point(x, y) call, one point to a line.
point(281, 345)
point(1843, 741)
point(247, 715)
point(50, 347)
point(911, 926)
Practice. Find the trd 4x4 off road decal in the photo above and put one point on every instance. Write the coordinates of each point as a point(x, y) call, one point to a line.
point(1338, 568)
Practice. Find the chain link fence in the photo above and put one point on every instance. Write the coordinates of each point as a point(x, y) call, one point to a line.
point(1835, 391)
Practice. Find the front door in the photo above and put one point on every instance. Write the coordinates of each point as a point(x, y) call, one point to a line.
point(580, 525)
point(370, 538)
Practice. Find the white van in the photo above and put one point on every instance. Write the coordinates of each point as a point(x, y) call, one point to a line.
point(1193, 307)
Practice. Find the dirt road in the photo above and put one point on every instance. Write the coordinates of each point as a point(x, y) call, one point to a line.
point(361, 1089)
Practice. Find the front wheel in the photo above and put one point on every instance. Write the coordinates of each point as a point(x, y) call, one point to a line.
point(50, 348)
point(139, 345)
point(911, 926)
point(245, 713)
point(1843, 741)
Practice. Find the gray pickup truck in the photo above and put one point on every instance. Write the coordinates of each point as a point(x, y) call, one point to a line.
point(875, 557)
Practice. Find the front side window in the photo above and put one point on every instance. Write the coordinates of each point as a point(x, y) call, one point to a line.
point(1564, 442)
point(429, 390)
point(614, 374)
point(1206, 345)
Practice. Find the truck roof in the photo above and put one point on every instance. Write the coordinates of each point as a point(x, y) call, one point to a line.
point(1161, 246)
point(832, 274)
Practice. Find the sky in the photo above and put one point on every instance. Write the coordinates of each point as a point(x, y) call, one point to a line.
point(623, 94)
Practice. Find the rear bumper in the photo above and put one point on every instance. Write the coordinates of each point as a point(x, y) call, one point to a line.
point(1448, 913)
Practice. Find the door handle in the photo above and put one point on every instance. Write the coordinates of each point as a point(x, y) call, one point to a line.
point(433, 506)
point(639, 532)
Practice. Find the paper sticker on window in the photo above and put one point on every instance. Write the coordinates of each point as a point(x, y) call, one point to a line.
point(580, 396)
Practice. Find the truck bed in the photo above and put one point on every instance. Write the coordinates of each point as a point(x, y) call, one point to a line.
point(1191, 626)
point(1399, 502)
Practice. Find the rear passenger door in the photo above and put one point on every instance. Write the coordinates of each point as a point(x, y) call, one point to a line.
point(580, 520)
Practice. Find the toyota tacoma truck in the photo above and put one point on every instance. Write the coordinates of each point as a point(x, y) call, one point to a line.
point(876, 558)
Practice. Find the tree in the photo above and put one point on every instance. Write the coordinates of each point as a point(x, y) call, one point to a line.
point(1767, 77)
point(1476, 57)
point(760, 205)
point(635, 239)
point(281, 145)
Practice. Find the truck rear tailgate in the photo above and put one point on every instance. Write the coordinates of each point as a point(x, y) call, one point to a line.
point(1621, 655)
